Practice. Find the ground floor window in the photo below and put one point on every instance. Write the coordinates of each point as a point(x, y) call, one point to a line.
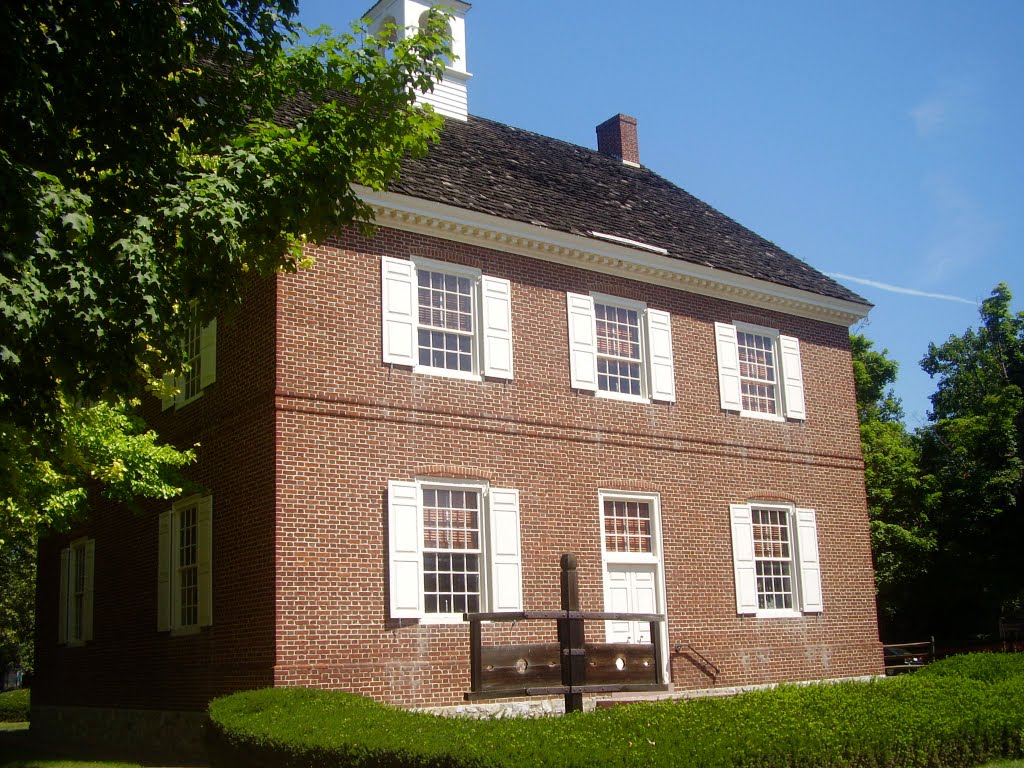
point(185, 583)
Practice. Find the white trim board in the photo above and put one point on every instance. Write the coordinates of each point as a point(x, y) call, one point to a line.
point(413, 214)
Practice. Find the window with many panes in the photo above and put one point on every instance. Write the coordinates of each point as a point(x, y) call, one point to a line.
point(758, 372)
point(619, 360)
point(185, 566)
point(446, 328)
point(76, 592)
point(445, 319)
point(451, 550)
point(627, 526)
point(191, 385)
point(773, 558)
point(200, 365)
point(619, 348)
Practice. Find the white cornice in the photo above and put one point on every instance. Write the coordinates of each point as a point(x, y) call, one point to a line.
point(414, 214)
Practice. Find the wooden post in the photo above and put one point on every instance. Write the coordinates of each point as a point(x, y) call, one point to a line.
point(475, 655)
point(570, 636)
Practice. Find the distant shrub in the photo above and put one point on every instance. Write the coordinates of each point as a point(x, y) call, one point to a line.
point(941, 720)
point(14, 706)
point(987, 667)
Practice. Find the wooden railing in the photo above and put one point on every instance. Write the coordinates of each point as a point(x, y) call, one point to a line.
point(571, 667)
point(908, 657)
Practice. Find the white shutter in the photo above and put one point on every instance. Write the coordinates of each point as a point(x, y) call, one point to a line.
point(506, 551)
point(743, 558)
point(205, 560)
point(163, 581)
point(497, 316)
point(405, 550)
point(167, 402)
point(398, 310)
point(792, 377)
point(62, 617)
point(728, 366)
point(87, 597)
point(208, 355)
point(810, 567)
point(659, 348)
point(582, 342)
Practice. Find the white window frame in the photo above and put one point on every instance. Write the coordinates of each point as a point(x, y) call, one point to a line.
point(500, 548)
point(79, 554)
point(205, 360)
point(654, 558)
point(169, 587)
point(804, 556)
point(491, 336)
point(789, 385)
point(657, 375)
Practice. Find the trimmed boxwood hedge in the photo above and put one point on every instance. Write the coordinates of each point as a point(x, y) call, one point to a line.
point(959, 713)
point(14, 706)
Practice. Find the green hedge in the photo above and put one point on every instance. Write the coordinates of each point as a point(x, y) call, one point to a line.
point(962, 713)
point(14, 706)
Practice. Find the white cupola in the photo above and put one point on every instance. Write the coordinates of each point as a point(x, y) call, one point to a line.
point(449, 96)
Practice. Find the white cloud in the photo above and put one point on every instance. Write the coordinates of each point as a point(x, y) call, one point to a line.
point(900, 289)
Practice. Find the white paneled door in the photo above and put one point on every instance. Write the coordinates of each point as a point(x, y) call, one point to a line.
point(630, 589)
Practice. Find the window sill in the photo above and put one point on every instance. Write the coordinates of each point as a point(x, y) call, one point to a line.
point(179, 404)
point(445, 373)
point(777, 614)
point(183, 631)
point(441, 619)
point(763, 416)
point(621, 396)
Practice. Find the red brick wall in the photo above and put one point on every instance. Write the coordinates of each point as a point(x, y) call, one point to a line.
point(129, 663)
point(347, 424)
point(305, 426)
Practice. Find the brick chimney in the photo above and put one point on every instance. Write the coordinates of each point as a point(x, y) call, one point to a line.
point(616, 136)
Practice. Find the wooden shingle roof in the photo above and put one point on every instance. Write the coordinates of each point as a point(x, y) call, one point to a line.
point(491, 168)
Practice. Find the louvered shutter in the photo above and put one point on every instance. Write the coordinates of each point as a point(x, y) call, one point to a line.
point(497, 322)
point(810, 567)
point(728, 366)
point(582, 342)
point(87, 597)
point(398, 310)
point(208, 354)
point(506, 550)
point(163, 581)
point(743, 558)
point(405, 550)
point(659, 348)
point(62, 617)
point(204, 521)
point(792, 378)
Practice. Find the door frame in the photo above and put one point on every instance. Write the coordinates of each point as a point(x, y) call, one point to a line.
point(654, 558)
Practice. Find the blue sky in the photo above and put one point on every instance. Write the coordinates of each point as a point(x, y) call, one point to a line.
point(879, 141)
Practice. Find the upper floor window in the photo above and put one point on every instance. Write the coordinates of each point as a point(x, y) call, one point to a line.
point(620, 348)
point(453, 548)
point(759, 372)
point(74, 625)
point(200, 368)
point(184, 597)
point(775, 558)
point(446, 319)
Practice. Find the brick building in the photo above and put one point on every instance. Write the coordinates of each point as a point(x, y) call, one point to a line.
point(544, 349)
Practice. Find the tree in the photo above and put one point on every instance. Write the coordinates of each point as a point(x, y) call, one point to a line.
point(973, 448)
point(156, 156)
point(899, 496)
